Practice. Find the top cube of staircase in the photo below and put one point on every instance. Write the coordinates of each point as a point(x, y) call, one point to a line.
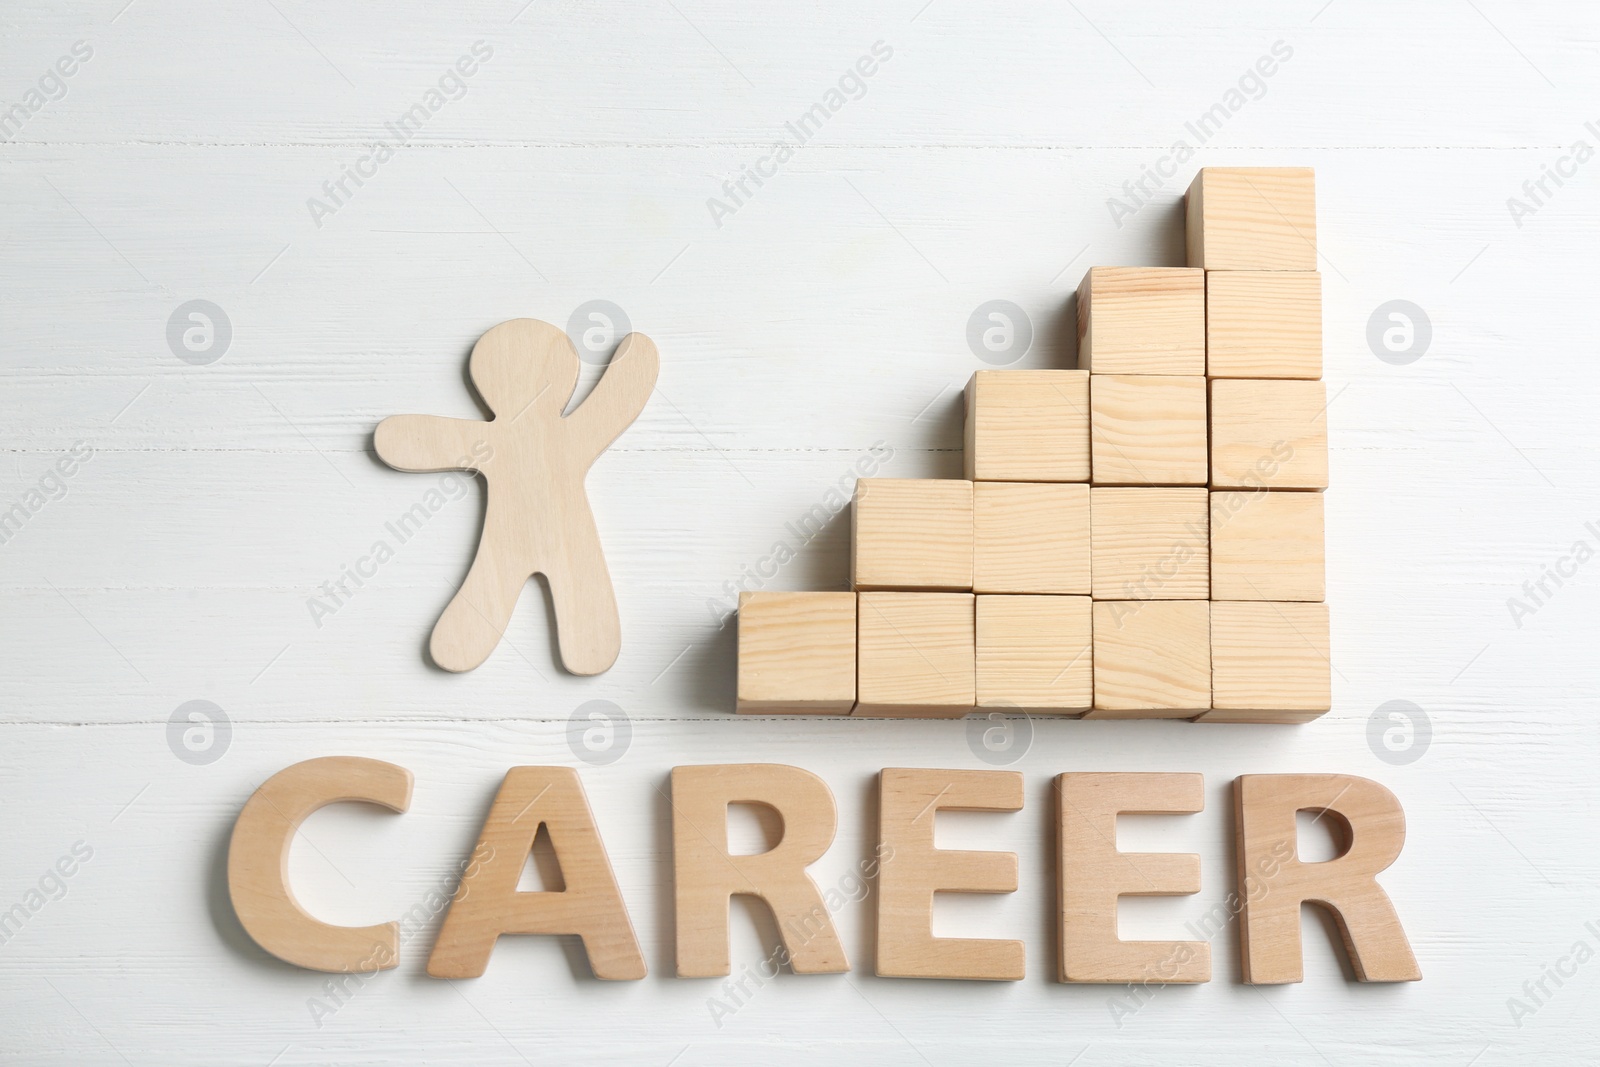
point(1253, 218)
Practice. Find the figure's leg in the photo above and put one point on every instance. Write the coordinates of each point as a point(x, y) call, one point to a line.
point(587, 627)
point(477, 615)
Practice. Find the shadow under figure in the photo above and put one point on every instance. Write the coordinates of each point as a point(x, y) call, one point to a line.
point(534, 461)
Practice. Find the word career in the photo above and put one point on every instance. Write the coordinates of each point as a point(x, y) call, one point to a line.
point(1091, 874)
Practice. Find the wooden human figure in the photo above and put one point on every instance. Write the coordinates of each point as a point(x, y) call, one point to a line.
point(534, 461)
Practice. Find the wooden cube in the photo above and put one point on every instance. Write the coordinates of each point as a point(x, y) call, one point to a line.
point(1028, 426)
point(1035, 653)
point(1150, 544)
point(1253, 218)
point(1266, 545)
point(1148, 429)
point(797, 653)
point(915, 655)
point(1269, 662)
point(1152, 659)
point(910, 533)
point(1268, 434)
point(1030, 537)
point(1142, 320)
point(1263, 324)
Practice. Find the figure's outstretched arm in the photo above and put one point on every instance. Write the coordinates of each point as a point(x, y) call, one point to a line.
point(619, 396)
point(424, 443)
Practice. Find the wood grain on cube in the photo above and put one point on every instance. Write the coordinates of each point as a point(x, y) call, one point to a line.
point(1028, 426)
point(1266, 545)
point(1263, 324)
point(1269, 434)
point(1148, 429)
point(915, 655)
point(912, 533)
point(1152, 659)
point(1035, 653)
point(1142, 320)
point(797, 653)
point(1269, 662)
point(1030, 537)
point(1150, 543)
point(1253, 218)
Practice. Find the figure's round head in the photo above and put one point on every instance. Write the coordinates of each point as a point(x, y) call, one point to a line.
point(524, 363)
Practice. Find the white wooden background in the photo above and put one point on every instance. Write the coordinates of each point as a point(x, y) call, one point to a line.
point(828, 314)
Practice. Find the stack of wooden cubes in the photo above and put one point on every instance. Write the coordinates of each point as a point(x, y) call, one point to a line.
point(1139, 538)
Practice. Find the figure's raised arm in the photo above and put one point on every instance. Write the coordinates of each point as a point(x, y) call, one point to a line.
point(619, 396)
point(423, 443)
